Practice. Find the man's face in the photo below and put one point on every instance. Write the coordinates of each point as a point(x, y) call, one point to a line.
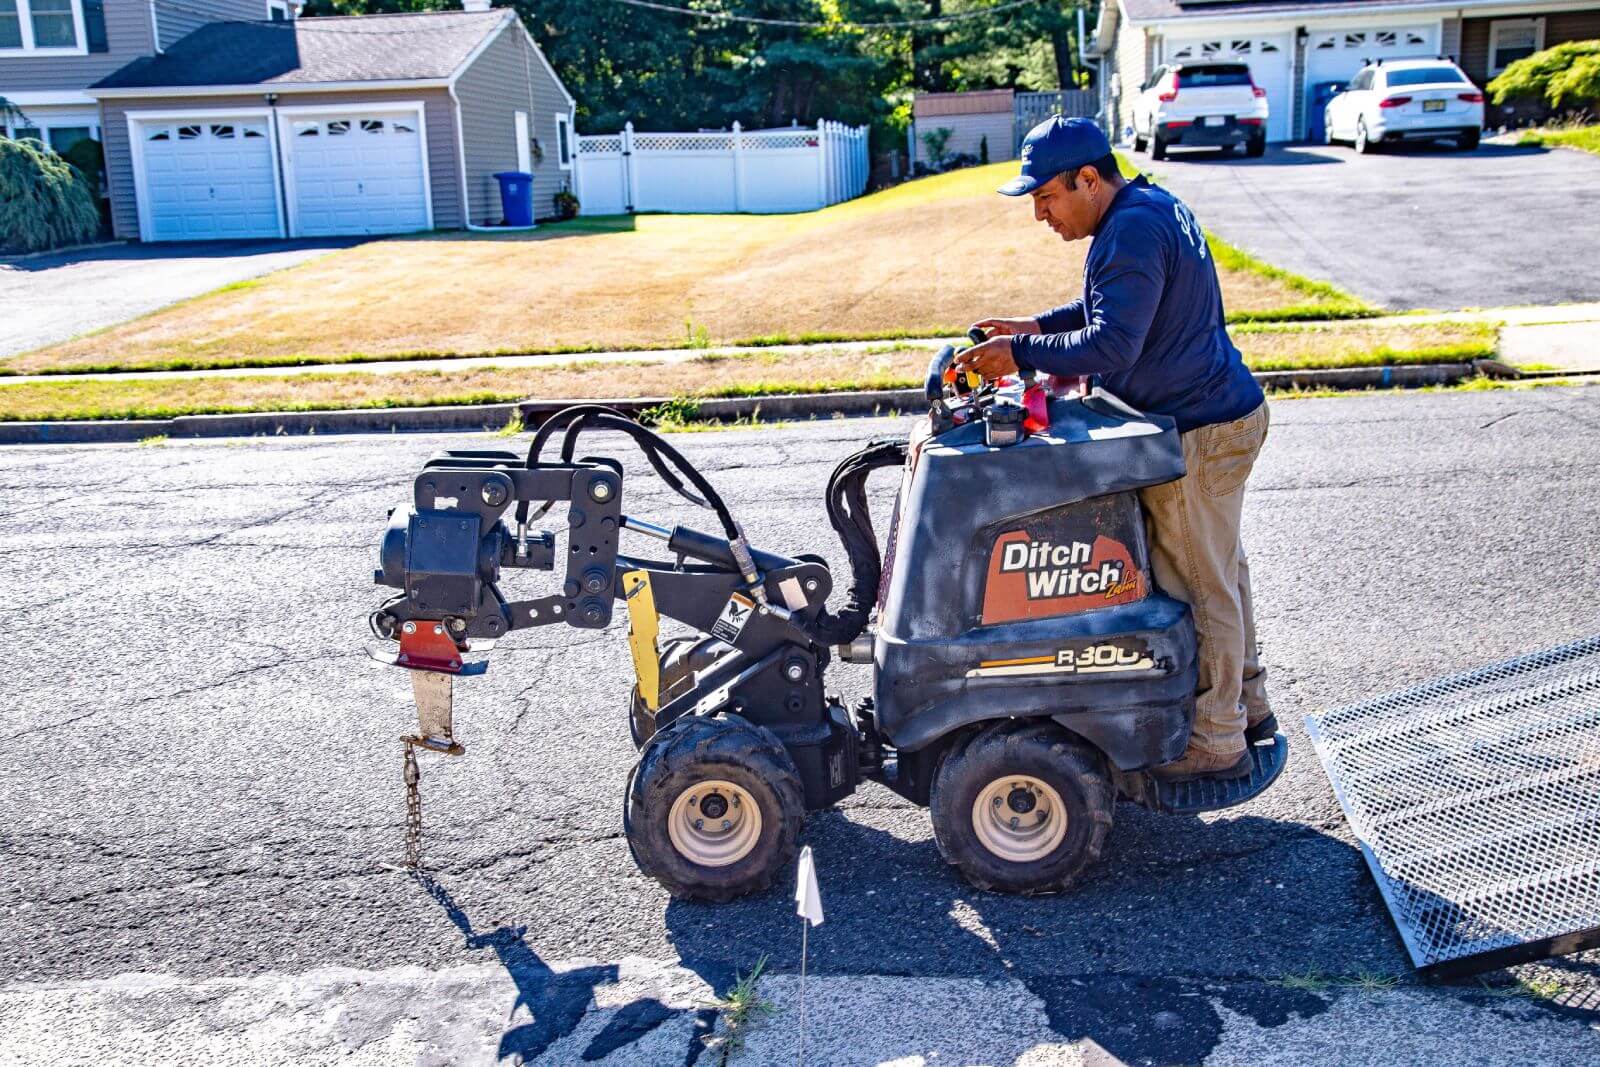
point(1071, 213)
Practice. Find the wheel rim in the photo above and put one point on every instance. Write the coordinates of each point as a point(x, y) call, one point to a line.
point(1019, 818)
point(714, 823)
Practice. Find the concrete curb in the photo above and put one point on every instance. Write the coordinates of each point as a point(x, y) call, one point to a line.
point(533, 412)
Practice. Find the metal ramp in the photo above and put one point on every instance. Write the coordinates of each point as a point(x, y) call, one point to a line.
point(1476, 801)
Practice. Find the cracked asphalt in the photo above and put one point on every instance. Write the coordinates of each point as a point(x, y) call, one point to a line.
point(201, 781)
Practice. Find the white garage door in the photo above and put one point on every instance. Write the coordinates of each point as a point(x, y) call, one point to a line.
point(1336, 55)
point(356, 172)
point(210, 179)
point(1268, 58)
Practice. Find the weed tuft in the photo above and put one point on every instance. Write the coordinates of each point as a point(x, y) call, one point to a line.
point(155, 441)
point(741, 1006)
point(512, 427)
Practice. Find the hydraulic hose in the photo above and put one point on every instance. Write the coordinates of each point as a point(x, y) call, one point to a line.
point(851, 518)
point(662, 457)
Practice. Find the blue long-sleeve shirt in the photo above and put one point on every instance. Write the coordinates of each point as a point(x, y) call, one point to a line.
point(1150, 321)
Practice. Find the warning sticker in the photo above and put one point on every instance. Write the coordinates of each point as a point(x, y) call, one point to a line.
point(735, 613)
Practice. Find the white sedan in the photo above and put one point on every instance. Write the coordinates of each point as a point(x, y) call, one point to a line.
point(1406, 99)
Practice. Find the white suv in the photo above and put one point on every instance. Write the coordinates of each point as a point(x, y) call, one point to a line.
point(1406, 99)
point(1215, 105)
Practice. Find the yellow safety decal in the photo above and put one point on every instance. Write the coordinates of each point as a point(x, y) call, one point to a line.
point(644, 624)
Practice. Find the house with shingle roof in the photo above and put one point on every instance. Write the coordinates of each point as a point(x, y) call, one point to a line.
point(279, 126)
point(1294, 46)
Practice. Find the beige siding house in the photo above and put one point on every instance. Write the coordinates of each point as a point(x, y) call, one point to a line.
point(286, 127)
point(973, 119)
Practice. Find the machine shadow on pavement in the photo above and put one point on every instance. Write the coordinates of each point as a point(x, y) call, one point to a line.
point(905, 913)
point(556, 1002)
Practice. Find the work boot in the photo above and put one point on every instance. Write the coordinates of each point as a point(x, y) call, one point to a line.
point(1260, 726)
point(1196, 764)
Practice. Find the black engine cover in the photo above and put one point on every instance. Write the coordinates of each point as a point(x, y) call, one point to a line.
point(1018, 584)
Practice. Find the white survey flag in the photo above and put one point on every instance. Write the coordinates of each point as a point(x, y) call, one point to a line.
point(807, 898)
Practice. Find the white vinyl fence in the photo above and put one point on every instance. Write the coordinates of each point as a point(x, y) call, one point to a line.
point(789, 169)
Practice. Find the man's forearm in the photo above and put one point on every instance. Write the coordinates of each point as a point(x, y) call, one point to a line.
point(1062, 319)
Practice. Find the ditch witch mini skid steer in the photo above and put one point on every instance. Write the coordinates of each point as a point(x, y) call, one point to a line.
point(1027, 672)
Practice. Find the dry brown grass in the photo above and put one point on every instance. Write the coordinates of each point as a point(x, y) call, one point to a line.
point(922, 258)
point(1342, 344)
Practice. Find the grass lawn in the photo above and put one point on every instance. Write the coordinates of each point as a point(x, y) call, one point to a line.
point(1585, 137)
point(923, 258)
point(748, 374)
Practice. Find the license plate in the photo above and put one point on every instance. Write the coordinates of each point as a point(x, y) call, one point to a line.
point(1213, 120)
point(1433, 105)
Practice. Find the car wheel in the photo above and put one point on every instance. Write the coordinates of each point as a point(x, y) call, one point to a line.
point(1364, 146)
point(1158, 148)
point(1257, 146)
point(1468, 141)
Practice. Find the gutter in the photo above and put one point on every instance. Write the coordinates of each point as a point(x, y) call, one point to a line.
point(1352, 10)
point(257, 88)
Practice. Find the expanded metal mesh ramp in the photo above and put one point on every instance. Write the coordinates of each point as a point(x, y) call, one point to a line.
point(1476, 800)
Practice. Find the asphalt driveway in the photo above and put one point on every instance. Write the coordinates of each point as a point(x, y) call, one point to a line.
point(45, 299)
point(1411, 227)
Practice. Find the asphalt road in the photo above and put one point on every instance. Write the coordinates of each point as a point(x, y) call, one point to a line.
point(1416, 226)
point(200, 781)
point(49, 298)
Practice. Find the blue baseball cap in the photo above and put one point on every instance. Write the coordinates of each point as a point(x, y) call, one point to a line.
point(1055, 146)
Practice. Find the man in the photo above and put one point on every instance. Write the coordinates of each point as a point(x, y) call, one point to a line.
point(1150, 323)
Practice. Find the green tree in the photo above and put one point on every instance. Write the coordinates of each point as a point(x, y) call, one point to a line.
point(44, 203)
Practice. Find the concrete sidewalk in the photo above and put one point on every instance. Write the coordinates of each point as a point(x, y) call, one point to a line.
point(639, 1011)
point(1565, 336)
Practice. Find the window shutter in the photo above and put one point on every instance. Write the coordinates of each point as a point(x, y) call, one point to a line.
point(94, 25)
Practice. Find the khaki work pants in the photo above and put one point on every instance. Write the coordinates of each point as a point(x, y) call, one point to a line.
point(1196, 556)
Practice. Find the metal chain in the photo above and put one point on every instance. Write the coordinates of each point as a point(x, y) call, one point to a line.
point(412, 775)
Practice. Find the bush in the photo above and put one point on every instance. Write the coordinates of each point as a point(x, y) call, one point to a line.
point(566, 204)
point(1565, 77)
point(44, 202)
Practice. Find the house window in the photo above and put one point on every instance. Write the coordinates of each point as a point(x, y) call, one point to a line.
point(10, 24)
point(338, 127)
point(62, 138)
point(1513, 39)
point(41, 25)
point(564, 140)
point(278, 10)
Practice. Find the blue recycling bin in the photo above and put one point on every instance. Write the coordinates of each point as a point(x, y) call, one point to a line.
point(516, 197)
point(1321, 93)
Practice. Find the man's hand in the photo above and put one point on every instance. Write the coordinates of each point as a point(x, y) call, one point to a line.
point(1007, 327)
point(990, 360)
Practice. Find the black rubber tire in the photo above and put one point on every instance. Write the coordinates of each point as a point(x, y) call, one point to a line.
point(1468, 142)
point(697, 748)
point(1158, 148)
point(1039, 748)
point(679, 656)
point(1256, 147)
